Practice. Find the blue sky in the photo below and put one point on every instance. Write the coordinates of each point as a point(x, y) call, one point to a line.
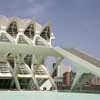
point(76, 23)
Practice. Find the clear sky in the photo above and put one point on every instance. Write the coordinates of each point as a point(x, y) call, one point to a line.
point(76, 23)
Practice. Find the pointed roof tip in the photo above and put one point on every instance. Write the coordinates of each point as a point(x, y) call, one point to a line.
point(33, 19)
point(50, 22)
point(4, 20)
point(3, 16)
point(14, 18)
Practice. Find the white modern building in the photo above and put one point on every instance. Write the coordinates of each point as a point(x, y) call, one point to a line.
point(24, 47)
point(17, 70)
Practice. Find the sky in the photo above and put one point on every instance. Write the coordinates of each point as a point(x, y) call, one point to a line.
point(75, 23)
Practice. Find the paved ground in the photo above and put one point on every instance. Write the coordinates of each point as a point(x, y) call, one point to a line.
point(41, 95)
